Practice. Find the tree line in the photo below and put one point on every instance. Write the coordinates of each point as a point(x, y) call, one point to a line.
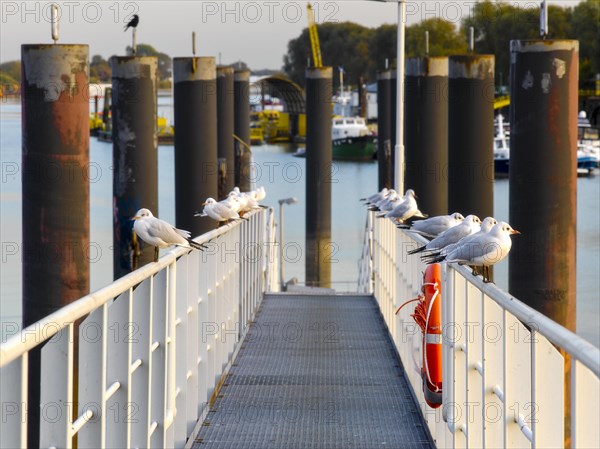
point(362, 51)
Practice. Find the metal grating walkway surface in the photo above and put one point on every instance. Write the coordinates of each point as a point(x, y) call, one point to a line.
point(315, 372)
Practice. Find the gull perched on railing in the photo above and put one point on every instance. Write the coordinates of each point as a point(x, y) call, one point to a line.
point(434, 226)
point(376, 197)
point(160, 234)
point(221, 211)
point(482, 250)
point(405, 210)
point(469, 225)
point(486, 226)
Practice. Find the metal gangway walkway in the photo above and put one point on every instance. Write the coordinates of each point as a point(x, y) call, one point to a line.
point(201, 350)
point(315, 372)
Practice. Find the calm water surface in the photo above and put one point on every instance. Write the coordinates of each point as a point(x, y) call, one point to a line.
point(283, 176)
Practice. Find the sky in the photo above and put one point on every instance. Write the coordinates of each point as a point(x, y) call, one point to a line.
point(256, 32)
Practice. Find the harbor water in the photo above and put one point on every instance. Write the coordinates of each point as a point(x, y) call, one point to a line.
point(282, 175)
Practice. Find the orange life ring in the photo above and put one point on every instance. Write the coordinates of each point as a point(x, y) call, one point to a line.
point(431, 370)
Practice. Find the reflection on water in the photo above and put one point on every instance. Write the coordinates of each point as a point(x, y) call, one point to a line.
point(283, 176)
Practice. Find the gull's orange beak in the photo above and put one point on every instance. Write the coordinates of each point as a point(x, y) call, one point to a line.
point(203, 204)
point(137, 217)
point(514, 231)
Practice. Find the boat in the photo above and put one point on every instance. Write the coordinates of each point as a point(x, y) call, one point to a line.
point(501, 148)
point(588, 147)
point(351, 140)
point(256, 134)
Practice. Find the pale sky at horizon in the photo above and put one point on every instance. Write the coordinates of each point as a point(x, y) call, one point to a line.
point(256, 32)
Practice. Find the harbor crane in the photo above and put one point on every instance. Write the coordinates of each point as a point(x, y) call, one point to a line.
point(314, 37)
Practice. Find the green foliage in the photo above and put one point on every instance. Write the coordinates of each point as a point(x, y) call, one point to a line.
point(444, 39)
point(585, 27)
point(12, 70)
point(342, 44)
point(362, 51)
point(100, 71)
point(497, 23)
point(164, 60)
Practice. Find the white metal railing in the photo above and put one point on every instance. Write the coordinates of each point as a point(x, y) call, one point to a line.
point(152, 347)
point(506, 367)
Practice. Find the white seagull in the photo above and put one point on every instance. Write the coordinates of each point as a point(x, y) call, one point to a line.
point(483, 251)
point(406, 209)
point(218, 211)
point(486, 226)
point(159, 233)
point(434, 226)
point(376, 196)
point(469, 225)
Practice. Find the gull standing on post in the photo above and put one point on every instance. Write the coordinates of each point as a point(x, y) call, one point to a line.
point(160, 234)
point(484, 250)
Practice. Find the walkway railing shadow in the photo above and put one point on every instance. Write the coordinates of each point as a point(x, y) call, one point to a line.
point(504, 364)
point(152, 346)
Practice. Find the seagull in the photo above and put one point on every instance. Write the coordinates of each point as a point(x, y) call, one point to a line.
point(434, 226)
point(259, 194)
point(160, 234)
point(376, 196)
point(218, 211)
point(406, 209)
point(469, 225)
point(486, 226)
point(484, 251)
point(391, 195)
point(133, 22)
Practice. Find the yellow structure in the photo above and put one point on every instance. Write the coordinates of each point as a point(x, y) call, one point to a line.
point(314, 37)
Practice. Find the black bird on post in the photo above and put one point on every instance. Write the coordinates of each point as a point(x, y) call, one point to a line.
point(133, 22)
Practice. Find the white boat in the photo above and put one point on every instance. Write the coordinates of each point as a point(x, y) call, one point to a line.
point(588, 147)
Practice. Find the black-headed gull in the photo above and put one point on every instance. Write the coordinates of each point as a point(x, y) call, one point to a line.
point(483, 250)
point(159, 233)
point(434, 226)
point(470, 225)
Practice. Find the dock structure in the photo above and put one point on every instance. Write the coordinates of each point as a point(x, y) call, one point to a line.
point(201, 349)
point(220, 360)
point(315, 371)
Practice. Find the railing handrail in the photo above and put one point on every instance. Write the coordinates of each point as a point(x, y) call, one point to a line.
point(32, 336)
point(572, 343)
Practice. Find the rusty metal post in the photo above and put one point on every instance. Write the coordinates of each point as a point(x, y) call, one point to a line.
point(135, 154)
point(225, 128)
point(318, 176)
point(384, 129)
point(426, 138)
point(196, 169)
point(471, 134)
point(56, 193)
point(241, 121)
point(543, 176)
point(543, 183)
